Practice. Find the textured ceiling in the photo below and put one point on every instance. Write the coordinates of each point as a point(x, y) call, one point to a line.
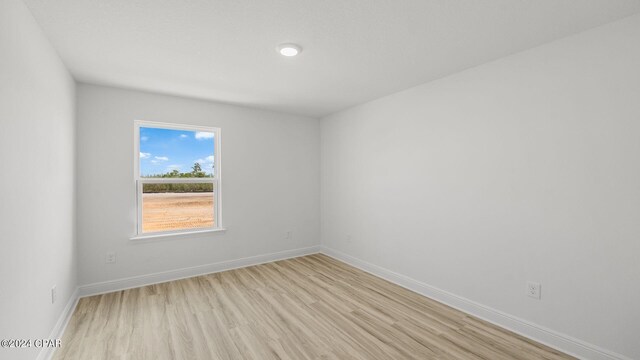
point(354, 50)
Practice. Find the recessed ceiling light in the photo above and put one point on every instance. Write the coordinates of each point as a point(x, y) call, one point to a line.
point(289, 49)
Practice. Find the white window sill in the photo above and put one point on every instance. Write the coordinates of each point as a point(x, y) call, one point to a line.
point(176, 234)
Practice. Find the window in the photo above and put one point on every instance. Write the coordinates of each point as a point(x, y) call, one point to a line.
point(177, 175)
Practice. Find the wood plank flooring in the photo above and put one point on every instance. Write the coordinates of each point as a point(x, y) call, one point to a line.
point(311, 307)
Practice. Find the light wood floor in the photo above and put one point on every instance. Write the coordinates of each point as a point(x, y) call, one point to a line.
point(312, 307)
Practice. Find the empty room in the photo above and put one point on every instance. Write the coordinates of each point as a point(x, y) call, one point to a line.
point(308, 179)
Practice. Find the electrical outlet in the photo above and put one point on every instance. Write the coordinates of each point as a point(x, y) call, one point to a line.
point(54, 295)
point(533, 290)
point(287, 235)
point(111, 258)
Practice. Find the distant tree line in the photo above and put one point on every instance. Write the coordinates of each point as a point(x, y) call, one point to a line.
point(196, 172)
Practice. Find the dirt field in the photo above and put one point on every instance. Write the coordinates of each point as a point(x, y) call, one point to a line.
point(176, 211)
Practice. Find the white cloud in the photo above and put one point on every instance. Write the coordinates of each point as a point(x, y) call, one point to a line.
point(208, 159)
point(206, 163)
point(173, 167)
point(144, 138)
point(144, 155)
point(159, 159)
point(183, 136)
point(205, 160)
point(202, 135)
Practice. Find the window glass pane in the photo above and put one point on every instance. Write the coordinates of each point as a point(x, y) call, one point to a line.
point(172, 206)
point(167, 153)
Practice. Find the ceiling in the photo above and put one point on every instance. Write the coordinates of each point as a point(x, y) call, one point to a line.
point(353, 50)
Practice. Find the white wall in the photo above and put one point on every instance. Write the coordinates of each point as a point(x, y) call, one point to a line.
point(37, 146)
point(271, 183)
point(525, 168)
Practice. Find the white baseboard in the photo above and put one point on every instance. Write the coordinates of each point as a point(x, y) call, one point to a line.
point(551, 338)
point(143, 280)
point(61, 325)
point(156, 278)
point(554, 339)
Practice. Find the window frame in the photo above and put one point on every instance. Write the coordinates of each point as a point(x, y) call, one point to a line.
point(215, 179)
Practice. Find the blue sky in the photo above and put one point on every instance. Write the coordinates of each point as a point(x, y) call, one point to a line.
point(163, 150)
